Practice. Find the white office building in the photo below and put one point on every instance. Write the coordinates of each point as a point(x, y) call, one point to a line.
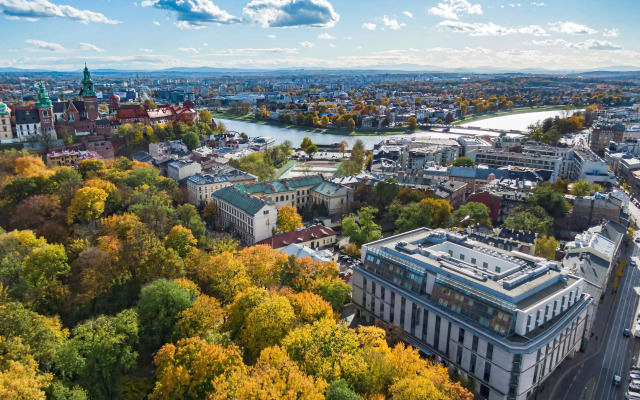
point(507, 319)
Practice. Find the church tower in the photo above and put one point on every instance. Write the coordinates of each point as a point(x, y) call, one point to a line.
point(45, 112)
point(88, 95)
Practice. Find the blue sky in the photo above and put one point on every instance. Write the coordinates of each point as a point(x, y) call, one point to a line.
point(157, 34)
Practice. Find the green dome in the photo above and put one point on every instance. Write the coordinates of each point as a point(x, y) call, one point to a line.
point(43, 98)
point(4, 110)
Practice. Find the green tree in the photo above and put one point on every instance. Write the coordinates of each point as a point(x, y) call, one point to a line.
point(386, 191)
point(549, 199)
point(339, 390)
point(358, 152)
point(311, 150)
point(463, 162)
point(159, 305)
point(472, 213)
point(546, 247)
point(205, 116)
point(364, 232)
point(103, 351)
point(581, 188)
point(337, 293)
point(191, 140)
point(530, 218)
point(306, 142)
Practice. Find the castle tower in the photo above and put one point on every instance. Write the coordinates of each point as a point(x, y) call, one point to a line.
point(114, 103)
point(45, 112)
point(88, 95)
point(5, 123)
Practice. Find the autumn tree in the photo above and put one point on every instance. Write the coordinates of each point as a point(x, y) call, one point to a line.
point(343, 146)
point(546, 247)
point(22, 380)
point(210, 212)
point(191, 368)
point(31, 167)
point(181, 240)
point(364, 232)
point(205, 116)
point(222, 276)
point(288, 219)
point(308, 307)
point(87, 205)
point(266, 325)
point(86, 167)
point(306, 142)
point(203, 319)
point(263, 264)
point(413, 123)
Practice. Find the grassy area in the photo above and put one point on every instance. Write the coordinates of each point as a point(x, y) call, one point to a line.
point(330, 131)
point(524, 110)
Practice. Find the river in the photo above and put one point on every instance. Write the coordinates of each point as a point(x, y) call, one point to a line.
point(507, 122)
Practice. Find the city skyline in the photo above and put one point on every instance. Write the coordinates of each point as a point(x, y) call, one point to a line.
point(276, 34)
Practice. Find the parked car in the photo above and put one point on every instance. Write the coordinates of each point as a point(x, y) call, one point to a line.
point(626, 333)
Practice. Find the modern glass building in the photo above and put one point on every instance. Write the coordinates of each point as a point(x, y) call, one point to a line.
point(507, 319)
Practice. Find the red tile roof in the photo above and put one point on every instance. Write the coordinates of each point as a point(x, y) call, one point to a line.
point(304, 235)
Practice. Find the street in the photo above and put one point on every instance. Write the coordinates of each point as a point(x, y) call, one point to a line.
point(589, 376)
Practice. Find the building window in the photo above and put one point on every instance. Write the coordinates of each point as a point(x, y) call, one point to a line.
point(498, 270)
point(472, 364)
point(462, 257)
point(459, 356)
point(461, 336)
point(485, 265)
point(474, 344)
point(473, 261)
point(265, 212)
point(489, 351)
point(487, 372)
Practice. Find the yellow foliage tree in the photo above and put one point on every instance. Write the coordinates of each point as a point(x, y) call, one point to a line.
point(288, 219)
point(31, 166)
point(181, 240)
point(87, 204)
point(203, 319)
point(309, 307)
point(263, 264)
point(266, 325)
point(546, 247)
point(222, 276)
point(23, 381)
point(98, 183)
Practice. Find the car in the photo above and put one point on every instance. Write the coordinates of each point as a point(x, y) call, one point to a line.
point(616, 380)
point(634, 376)
point(637, 240)
point(626, 332)
point(635, 367)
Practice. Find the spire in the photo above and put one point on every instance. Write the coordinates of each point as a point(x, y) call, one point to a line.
point(43, 97)
point(87, 84)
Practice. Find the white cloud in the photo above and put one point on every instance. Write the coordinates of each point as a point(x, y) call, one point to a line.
point(290, 13)
point(156, 23)
point(451, 9)
point(307, 44)
point(42, 45)
point(326, 36)
point(408, 14)
point(189, 50)
point(249, 51)
point(193, 13)
point(392, 23)
point(615, 32)
point(591, 44)
point(490, 29)
point(369, 25)
point(90, 47)
point(536, 4)
point(145, 50)
point(271, 36)
point(189, 26)
point(332, 45)
point(38, 9)
point(571, 28)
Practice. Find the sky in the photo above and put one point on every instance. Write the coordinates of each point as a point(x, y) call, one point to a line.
point(406, 34)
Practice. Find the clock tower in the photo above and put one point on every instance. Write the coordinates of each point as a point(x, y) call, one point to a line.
point(88, 95)
point(45, 112)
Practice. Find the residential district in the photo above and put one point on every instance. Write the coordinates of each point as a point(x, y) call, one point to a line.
point(508, 256)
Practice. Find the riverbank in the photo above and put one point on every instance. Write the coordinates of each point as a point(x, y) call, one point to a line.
point(524, 110)
point(330, 131)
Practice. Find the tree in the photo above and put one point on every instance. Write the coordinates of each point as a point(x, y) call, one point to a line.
point(30, 167)
point(431, 213)
point(205, 116)
point(358, 152)
point(87, 205)
point(343, 146)
point(22, 380)
point(219, 245)
point(363, 232)
point(87, 166)
point(203, 319)
point(191, 140)
point(190, 368)
point(550, 200)
point(463, 162)
point(306, 142)
point(337, 293)
point(210, 212)
point(263, 264)
point(103, 350)
point(181, 240)
point(339, 390)
point(413, 123)
point(158, 308)
point(530, 218)
point(150, 104)
point(288, 219)
point(311, 150)
point(472, 213)
point(266, 325)
point(386, 190)
point(546, 247)
point(222, 277)
point(581, 188)
point(35, 210)
point(308, 307)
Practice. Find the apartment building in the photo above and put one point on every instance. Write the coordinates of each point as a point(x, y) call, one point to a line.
point(507, 319)
point(181, 169)
point(535, 160)
point(201, 186)
point(251, 218)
